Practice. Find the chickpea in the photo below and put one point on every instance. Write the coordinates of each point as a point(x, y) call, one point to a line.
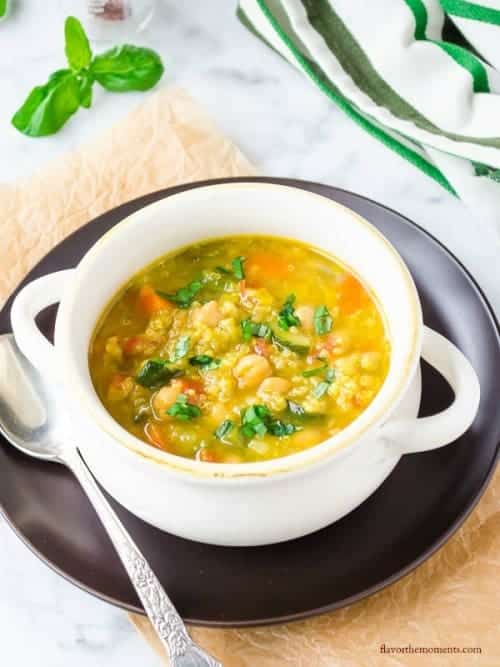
point(208, 314)
point(251, 370)
point(370, 361)
point(166, 397)
point(275, 385)
point(306, 317)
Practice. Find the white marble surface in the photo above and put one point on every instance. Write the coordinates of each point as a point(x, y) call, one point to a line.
point(285, 127)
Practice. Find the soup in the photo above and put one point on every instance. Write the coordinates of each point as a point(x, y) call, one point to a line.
point(239, 349)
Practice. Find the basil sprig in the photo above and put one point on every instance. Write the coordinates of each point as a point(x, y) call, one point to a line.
point(49, 106)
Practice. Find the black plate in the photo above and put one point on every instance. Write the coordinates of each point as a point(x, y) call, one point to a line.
point(411, 515)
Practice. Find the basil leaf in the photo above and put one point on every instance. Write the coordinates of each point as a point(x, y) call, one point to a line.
point(86, 82)
point(204, 361)
point(185, 295)
point(181, 348)
point(183, 410)
point(310, 372)
point(3, 8)
point(48, 107)
point(224, 428)
point(127, 67)
point(322, 320)
point(287, 317)
point(257, 329)
point(77, 46)
point(238, 270)
point(155, 373)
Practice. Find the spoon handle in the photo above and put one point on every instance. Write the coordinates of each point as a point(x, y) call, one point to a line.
point(169, 626)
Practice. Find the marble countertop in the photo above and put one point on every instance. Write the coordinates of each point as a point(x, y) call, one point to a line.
point(286, 128)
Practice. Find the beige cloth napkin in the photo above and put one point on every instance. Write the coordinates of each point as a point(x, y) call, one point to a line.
point(450, 601)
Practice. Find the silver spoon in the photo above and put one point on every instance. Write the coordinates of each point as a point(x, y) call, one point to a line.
point(32, 421)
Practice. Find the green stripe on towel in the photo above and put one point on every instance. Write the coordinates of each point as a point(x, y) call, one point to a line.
point(460, 55)
point(469, 10)
point(318, 76)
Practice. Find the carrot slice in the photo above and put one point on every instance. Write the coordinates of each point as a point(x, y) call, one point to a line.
point(352, 295)
point(151, 302)
point(264, 265)
point(192, 388)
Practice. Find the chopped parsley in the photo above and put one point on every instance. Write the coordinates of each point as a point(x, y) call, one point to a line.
point(322, 320)
point(183, 410)
point(287, 317)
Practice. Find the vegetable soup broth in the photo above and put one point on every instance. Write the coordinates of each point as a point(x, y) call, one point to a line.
point(239, 349)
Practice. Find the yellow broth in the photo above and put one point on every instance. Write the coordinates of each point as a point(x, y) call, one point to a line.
point(239, 349)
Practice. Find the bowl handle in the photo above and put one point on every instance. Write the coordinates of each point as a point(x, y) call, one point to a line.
point(419, 435)
point(31, 300)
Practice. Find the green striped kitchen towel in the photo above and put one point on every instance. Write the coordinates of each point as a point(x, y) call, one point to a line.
point(386, 64)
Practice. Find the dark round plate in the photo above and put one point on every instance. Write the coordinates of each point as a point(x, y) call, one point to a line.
point(412, 514)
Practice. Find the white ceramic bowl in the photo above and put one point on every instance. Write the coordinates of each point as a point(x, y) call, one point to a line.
point(252, 503)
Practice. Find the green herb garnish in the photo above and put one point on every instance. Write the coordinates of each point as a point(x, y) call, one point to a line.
point(224, 428)
point(259, 330)
point(185, 295)
point(287, 317)
point(155, 373)
point(204, 361)
point(322, 320)
point(257, 420)
point(48, 107)
point(310, 372)
point(183, 410)
point(321, 388)
point(181, 348)
point(237, 265)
